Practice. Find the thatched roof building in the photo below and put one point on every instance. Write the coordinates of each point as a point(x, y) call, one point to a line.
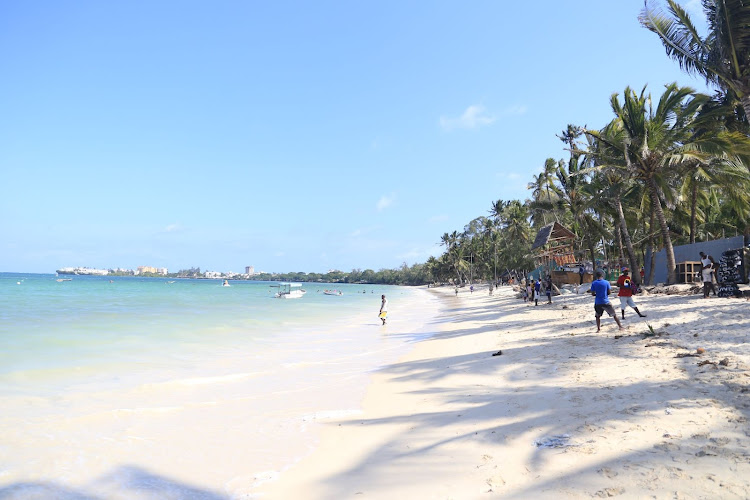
point(554, 243)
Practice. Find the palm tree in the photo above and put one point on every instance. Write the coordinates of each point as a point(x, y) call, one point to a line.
point(610, 186)
point(573, 197)
point(543, 193)
point(699, 179)
point(654, 142)
point(722, 57)
point(454, 252)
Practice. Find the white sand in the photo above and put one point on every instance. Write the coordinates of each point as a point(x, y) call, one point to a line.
point(451, 421)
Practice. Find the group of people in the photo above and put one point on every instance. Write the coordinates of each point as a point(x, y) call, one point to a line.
point(600, 289)
point(532, 290)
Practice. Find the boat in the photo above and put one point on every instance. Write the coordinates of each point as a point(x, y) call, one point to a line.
point(289, 291)
point(226, 283)
point(60, 280)
point(334, 292)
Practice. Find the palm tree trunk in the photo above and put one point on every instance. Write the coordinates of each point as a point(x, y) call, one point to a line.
point(621, 253)
point(745, 100)
point(628, 242)
point(693, 211)
point(651, 248)
point(590, 245)
point(659, 212)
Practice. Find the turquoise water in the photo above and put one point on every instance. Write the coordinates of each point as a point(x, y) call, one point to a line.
point(128, 367)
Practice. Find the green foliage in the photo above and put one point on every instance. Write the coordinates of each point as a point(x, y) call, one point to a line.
point(417, 274)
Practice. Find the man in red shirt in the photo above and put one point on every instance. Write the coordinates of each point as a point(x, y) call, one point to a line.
point(626, 293)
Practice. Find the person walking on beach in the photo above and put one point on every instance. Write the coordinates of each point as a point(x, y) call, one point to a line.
point(626, 293)
point(548, 288)
point(600, 290)
point(581, 271)
point(537, 291)
point(707, 269)
point(383, 308)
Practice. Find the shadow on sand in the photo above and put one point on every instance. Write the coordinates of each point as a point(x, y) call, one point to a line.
point(124, 482)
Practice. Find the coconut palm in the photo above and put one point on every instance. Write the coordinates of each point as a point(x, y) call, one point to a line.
point(543, 194)
point(654, 142)
point(573, 197)
point(608, 187)
point(722, 57)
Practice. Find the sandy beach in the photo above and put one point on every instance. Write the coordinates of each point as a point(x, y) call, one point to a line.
point(563, 412)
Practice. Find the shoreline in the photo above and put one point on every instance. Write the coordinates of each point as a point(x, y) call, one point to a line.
point(632, 416)
point(180, 391)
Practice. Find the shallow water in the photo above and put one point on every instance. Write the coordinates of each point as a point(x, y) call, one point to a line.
point(192, 388)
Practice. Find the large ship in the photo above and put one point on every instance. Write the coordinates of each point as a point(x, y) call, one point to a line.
point(83, 271)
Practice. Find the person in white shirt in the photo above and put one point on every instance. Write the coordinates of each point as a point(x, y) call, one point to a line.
point(707, 269)
point(383, 308)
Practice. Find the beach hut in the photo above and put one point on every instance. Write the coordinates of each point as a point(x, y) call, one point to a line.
point(553, 248)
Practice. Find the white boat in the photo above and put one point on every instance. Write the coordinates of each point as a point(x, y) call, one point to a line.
point(333, 292)
point(289, 291)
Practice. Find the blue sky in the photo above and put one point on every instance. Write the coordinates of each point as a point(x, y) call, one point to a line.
point(291, 136)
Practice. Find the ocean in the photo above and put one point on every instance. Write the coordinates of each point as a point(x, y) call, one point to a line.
point(128, 387)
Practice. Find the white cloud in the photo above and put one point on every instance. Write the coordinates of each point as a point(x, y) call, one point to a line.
point(474, 117)
point(363, 231)
point(417, 254)
point(518, 109)
point(410, 255)
point(385, 201)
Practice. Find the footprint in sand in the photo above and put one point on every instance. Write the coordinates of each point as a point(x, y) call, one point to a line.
point(607, 472)
point(666, 446)
point(496, 482)
point(609, 492)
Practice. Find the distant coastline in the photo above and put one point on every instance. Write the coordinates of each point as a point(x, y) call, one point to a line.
point(417, 274)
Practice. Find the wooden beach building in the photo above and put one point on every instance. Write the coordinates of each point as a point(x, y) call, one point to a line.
point(554, 247)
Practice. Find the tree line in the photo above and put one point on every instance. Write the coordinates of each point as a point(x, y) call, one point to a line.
point(669, 168)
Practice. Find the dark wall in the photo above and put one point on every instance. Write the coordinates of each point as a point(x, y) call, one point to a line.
point(684, 253)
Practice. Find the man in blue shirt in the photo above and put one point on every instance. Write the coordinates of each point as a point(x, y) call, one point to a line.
point(600, 290)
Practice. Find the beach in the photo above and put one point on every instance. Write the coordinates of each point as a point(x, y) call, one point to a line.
point(512, 400)
point(153, 389)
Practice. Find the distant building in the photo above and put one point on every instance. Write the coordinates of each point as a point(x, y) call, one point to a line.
point(146, 269)
point(213, 274)
point(249, 270)
point(163, 271)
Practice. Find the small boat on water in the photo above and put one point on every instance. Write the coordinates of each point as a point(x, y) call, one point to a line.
point(289, 291)
point(334, 292)
point(60, 280)
point(226, 283)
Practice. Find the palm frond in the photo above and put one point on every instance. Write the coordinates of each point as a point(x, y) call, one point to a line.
point(679, 37)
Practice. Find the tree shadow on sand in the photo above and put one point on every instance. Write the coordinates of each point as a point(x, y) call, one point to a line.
point(553, 370)
point(126, 481)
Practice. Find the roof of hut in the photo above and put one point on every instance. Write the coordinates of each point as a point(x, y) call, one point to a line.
point(552, 233)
